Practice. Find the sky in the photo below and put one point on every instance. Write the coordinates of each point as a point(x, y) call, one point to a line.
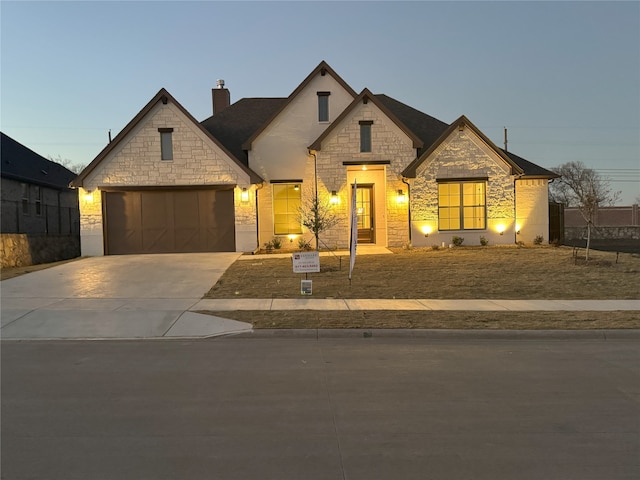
point(562, 77)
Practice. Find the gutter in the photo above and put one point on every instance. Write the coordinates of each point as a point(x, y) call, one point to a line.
point(403, 180)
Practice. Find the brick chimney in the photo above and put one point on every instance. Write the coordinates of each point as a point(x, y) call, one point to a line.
point(220, 96)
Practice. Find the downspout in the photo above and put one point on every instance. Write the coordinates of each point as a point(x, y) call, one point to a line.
point(259, 186)
point(515, 207)
point(403, 180)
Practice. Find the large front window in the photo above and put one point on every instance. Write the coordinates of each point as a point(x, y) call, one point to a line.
point(286, 209)
point(462, 206)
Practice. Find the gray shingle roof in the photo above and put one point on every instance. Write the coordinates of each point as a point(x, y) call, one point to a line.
point(235, 124)
point(23, 164)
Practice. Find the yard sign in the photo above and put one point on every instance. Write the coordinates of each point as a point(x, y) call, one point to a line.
point(305, 262)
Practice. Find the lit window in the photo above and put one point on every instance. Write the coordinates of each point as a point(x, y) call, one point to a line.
point(323, 106)
point(365, 136)
point(462, 206)
point(38, 200)
point(166, 143)
point(25, 198)
point(286, 209)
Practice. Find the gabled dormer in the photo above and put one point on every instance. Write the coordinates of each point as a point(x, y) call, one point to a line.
point(278, 149)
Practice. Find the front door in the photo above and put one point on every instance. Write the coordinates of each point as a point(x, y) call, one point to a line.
point(364, 208)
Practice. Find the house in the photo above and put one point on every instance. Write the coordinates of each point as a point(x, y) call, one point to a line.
point(233, 182)
point(40, 215)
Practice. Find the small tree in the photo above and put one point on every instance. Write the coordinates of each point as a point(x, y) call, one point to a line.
point(317, 216)
point(583, 188)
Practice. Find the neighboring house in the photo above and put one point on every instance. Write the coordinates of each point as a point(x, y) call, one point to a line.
point(233, 182)
point(36, 203)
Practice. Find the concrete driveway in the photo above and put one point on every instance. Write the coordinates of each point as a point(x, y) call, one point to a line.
point(119, 296)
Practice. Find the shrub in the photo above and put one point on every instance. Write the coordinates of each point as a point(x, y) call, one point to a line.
point(277, 243)
point(483, 241)
point(435, 247)
point(303, 244)
point(268, 247)
point(457, 241)
point(538, 240)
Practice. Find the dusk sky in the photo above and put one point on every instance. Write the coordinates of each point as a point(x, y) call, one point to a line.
point(563, 77)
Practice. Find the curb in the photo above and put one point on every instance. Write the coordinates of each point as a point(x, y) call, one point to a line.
point(317, 334)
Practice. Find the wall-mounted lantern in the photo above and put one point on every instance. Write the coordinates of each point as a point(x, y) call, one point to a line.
point(334, 198)
point(244, 195)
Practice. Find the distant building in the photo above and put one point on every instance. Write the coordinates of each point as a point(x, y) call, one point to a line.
point(40, 215)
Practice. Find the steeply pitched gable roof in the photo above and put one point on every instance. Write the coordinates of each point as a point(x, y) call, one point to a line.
point(162, 96)
point(234, 125)
point(23, 164)
point(420, 127)
point(323, 68)
point(519, 166)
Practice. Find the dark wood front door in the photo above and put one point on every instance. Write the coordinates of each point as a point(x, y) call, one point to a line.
point(364, 208)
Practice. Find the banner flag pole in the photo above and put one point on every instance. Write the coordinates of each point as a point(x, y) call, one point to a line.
point(353, 243)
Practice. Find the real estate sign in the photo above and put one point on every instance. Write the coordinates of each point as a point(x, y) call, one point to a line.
point(306, 262)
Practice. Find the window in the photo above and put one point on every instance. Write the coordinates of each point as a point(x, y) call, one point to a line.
point(38, 199)
point(365, 135)
point(323, 106)
point(286, 208)
point(25, 198)
point(166, 143)
point(462, 205)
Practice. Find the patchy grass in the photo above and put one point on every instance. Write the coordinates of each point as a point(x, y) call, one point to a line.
point(459, 273)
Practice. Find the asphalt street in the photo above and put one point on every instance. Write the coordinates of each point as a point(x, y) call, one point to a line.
point(322, 408)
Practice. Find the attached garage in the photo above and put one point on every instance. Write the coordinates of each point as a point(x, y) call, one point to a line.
point(169, 220)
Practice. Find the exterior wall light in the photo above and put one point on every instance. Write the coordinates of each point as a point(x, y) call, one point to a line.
point(401, 198)
point(296, 187)
point(426, 229)
point(334, 198)
point(501, 228)
point(244, 195)
point(517, 229)
point(291, 238)
point(88, 196)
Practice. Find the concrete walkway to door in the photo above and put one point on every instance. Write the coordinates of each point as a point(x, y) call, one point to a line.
point(118, 296)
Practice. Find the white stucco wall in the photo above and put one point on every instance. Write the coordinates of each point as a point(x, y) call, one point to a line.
point(197, 161)
point(532, 209)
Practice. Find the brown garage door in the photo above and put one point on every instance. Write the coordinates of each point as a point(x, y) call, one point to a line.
point(169, 221)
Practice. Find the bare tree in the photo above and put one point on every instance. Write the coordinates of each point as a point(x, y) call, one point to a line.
point(583, 188)
point(65, 162)
point(317, 216)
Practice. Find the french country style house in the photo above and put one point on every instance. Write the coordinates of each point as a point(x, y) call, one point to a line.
point(238, 179)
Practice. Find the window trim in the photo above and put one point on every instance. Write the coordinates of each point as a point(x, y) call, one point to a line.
point(323, 107)
point(289, 214)
point(166, 146)
point(461, 206)
point(366, 142)
point(38, 200)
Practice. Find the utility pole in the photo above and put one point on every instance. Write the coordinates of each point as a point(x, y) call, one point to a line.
point(505, 140)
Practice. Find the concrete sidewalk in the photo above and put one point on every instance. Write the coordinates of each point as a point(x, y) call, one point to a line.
point(222, 305)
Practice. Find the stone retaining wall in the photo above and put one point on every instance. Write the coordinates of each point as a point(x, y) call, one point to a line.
point(21, 249)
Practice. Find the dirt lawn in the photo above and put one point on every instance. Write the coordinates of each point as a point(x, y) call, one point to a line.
point(461, 273)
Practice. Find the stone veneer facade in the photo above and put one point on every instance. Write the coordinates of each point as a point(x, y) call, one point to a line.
point(465, 156)
point(136, 162)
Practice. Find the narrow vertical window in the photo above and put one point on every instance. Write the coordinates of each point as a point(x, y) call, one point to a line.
point(38, 200)
point(323, 106)
point(166, 143)
point(25, 198)
point(365, 136)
